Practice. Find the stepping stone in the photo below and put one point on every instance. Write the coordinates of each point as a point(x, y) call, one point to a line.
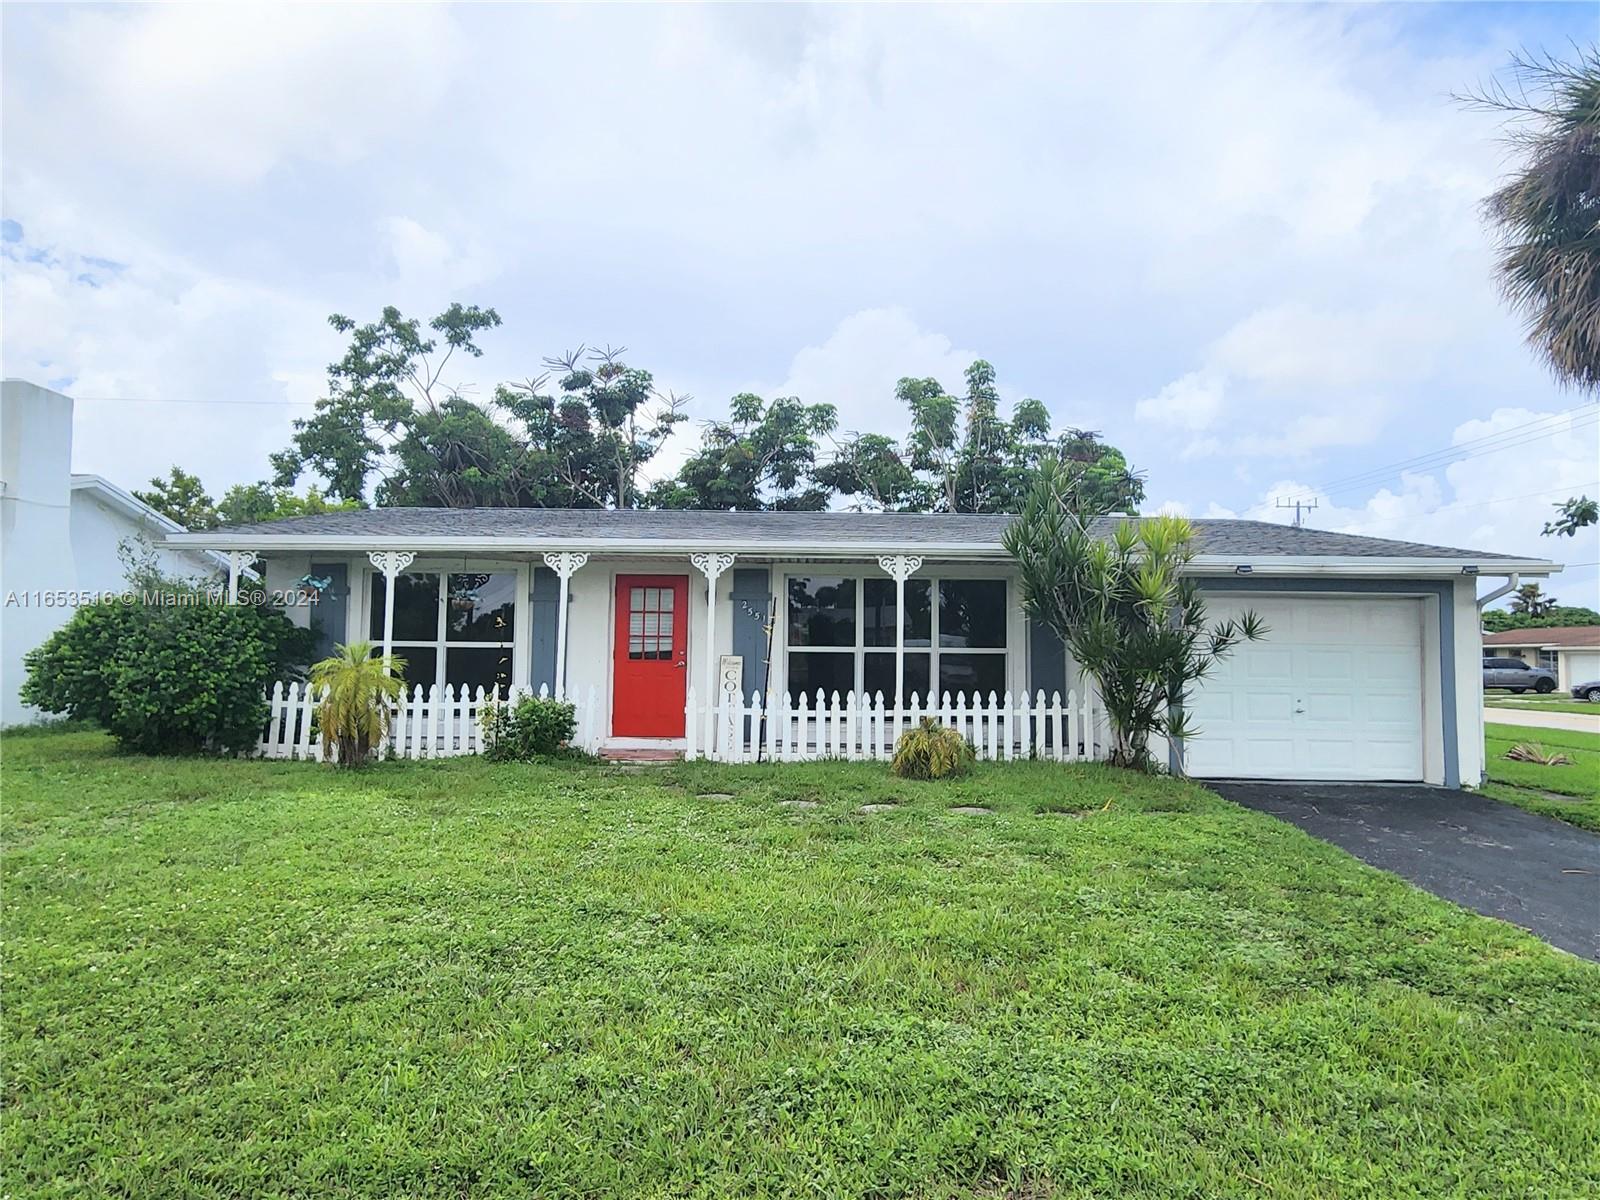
point(877, 808)
point(970, 810)
point(716, 796)
point(798, 804)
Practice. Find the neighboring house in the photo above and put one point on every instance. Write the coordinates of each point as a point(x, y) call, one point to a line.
point(60, 532)
point(1371, 669)
point(1571, 651)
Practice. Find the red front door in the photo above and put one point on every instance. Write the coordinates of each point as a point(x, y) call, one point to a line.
point(650, 659)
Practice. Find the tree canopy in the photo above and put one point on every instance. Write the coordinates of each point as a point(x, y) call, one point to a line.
point(585, 432)
point(1499, 620)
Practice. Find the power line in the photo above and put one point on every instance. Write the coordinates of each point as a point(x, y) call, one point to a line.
point(1527, 431)
point(1458, 507)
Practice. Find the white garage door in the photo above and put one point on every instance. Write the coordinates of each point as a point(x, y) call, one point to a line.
point(1334, 691)
point(1583, 666)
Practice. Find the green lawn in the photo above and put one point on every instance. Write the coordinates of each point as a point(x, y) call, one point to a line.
point(1558, 702)
point(460, 979)
point(1569, 792)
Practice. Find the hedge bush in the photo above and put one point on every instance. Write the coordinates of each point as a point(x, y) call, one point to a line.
point(168, 679)
point(532, 727)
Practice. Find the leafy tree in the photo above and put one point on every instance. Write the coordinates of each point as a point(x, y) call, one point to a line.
point(1576, 513)
point(961, 455)
point(389, 412)
point(1530, 598)
point(1124, 606)
point(250, 503)
point(763, 457)
point(182, 498)
point(1498, 620)
point(588, 439)
point(874, 469)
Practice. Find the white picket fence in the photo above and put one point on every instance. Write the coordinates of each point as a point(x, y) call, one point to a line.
point(865, 727)
point(433, 722)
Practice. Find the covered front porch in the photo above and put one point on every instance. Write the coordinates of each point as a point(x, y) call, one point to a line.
point(719, 653)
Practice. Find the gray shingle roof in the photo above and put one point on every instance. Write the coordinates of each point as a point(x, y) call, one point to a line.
point(911, 530)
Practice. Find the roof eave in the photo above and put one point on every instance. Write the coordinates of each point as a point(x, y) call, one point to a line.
point(1205, 564)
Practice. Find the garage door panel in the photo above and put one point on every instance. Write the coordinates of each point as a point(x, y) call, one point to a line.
point(1268, 706)
point(1333, 692)
point(1265, 665)
point(1337, 707)
point(1323, 665)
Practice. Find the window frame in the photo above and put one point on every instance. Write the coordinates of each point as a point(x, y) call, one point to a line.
point(517, 647)
point(1011, 653)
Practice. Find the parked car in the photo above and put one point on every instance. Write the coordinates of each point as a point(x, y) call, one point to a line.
point(1587, 691)
point(1517, 675)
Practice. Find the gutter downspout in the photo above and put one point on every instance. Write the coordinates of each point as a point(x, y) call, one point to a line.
point(1510, 585)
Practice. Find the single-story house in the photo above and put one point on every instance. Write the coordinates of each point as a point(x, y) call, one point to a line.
point(1571, 651)
point(61, 534)
point(1371, 669)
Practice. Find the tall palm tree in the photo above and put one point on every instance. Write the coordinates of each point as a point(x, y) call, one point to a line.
point(1547, 215)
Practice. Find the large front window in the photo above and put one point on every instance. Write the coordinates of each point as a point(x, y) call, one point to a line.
point(456, 628)
point(841, 635)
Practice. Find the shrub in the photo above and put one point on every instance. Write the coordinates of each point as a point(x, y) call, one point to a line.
point(931, 751)
point(171, 678)
point(529, 728)
point(353, 714)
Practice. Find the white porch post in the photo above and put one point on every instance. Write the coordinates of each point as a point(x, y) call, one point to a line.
point(900, 567)
point(391, 563)
point(563, 564)
point(711, 566)
point(238, 560)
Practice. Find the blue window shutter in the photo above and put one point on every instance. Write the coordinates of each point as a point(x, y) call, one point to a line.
point(1047, 660)
point(752, 600)
point(545, 600)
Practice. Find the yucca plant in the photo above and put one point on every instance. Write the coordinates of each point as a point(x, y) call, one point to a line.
point(931, 751)
point(357, 688)
point(1122, 603)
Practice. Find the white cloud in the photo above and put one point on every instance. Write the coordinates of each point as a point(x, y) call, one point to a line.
point(227, 93)
point(1193, 402)
point(857, 367)
point(1496, 500)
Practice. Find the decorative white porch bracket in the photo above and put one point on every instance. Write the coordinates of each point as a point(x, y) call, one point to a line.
point(565, 564)
point(238, 560)
point(711, 565)
point(900, 567)
point(391, 563)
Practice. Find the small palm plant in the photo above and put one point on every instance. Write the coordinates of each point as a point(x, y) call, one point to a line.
point(357, 691)
point(931, 751)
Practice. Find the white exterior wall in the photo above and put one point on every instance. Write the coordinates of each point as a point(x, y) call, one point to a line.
point(56, 536)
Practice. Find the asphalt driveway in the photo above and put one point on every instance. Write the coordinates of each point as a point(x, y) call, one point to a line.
point(1539, 873)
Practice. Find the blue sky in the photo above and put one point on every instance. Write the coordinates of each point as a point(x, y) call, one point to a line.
point(1242, 242)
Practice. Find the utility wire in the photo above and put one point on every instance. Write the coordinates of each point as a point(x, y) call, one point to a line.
point(1526, 432)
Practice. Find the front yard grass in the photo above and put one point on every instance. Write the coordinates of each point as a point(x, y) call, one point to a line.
point(463, 979)
point(1571, 793)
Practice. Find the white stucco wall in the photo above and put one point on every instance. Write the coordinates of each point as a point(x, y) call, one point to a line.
point(55, 537)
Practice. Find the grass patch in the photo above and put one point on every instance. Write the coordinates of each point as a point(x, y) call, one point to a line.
point(470, 979)
point(1560, 702)
point(1571, 793)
